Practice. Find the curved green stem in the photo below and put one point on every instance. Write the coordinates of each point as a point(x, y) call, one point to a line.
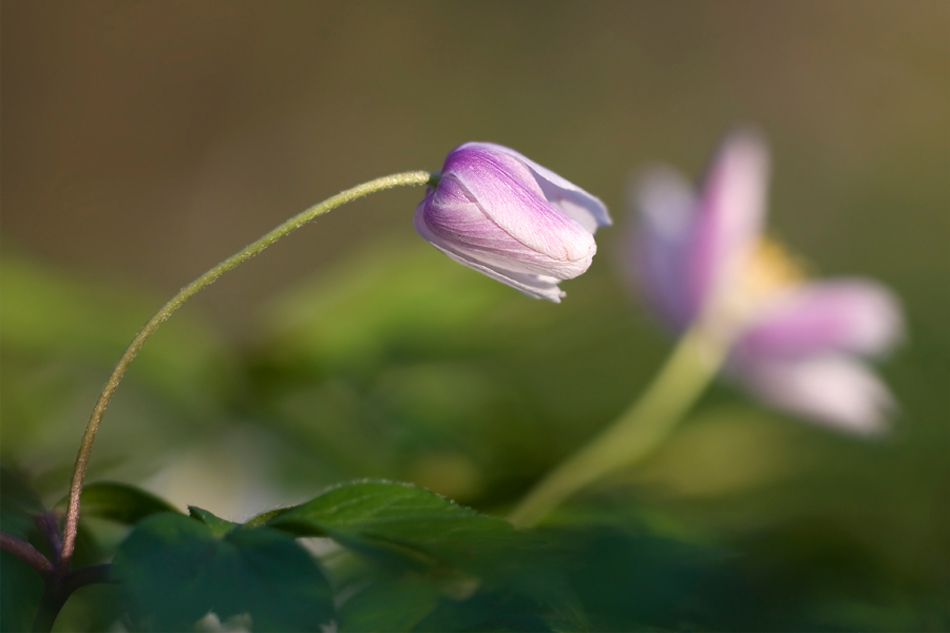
point(72, 512)
point(639, 430)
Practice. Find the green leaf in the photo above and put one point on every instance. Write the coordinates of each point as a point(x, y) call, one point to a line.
point(531, 597)
point(120, 502)
point(20, 590)
point(174, 571)
point(264, 517)
point(219, 527)
point(536, 599)
point(631, 579)
point(399, 522)
point(389, 607)
point(20, 584)
point(18, 504)
point(486, 612)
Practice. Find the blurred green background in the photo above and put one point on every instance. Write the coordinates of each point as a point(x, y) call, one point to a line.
point(143, 142)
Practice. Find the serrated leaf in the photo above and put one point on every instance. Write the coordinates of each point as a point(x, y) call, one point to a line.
point(219, 527)
point(399, 521)
point(122, 503)
point(174, 571)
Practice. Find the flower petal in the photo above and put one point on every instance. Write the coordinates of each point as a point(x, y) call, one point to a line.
point(852, 315)
point(831, 389)
point(731, 212)
point(535, 285)
point(452, 214)
point(658, 244)
point(582, 207)
point(515, 204)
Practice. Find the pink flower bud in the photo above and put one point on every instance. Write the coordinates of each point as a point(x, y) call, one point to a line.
point(507, 217)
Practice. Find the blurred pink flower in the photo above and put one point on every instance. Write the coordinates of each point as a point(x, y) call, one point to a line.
point(508, 217)
point(795, 344)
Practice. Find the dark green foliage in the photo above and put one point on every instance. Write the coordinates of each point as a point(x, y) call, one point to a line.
point(633, 580)
point(219, 527)
point(745, 521)
point(174, 570)
point(433, 565)
point(20, 584)
point(393, 606)
point(20, 590)
point(119, 502)
point(18, 504)
point(392, 520)
point(447, 567)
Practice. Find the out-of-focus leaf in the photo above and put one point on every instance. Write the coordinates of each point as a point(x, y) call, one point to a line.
point(61, 337)
point(399, 521)
point(174, 571)
point(122, 503)
point(532, 598)
point(389, 607)
point(20, 590)
point(20, 584)
point(53, 312)
point(487, 612)
point(18, 502)
point(629, 579)
point(387, 298)
point(219, 527)
point(397, 364)
point(91, 608)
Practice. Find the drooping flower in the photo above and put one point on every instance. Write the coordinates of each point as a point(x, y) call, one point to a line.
point(508, 217)
point(795, 344)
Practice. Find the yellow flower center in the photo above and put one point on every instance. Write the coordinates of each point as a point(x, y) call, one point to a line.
point(769, 271)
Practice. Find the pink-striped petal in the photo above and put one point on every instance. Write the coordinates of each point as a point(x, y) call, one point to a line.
point(537, 285)
point(582, 207)
point(497, 184)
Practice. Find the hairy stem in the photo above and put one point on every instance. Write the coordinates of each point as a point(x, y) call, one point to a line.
point(636, 433)
point(82, 460)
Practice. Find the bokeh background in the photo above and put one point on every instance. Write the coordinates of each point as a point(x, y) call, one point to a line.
point(143, 142)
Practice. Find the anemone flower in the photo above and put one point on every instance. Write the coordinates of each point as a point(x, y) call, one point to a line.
point(798, 345)
point(508, 217)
